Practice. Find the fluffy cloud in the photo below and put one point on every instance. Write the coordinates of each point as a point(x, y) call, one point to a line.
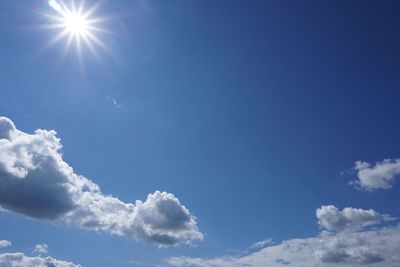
point(41, 249)
point(4, 243)
point(21, 260)
point(331, 218)
point(377, 247)
point(35, 181)
point(382, 175)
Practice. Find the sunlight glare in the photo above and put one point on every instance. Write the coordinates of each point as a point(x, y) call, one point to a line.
point(75, 23)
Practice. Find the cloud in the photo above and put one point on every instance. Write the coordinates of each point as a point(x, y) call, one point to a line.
point(382, 175)
point(376, 247)
point(35, 181)
point(351, 250)
point(21, 260)
point(331, 218)
point(41, 249)
point(4, 243)
point(261, 244)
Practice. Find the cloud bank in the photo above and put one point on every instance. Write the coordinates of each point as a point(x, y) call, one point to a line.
point(378, 247)
point(35, 181)
point(382, 175)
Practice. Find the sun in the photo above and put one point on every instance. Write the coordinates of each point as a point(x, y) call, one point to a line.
point(75, 24)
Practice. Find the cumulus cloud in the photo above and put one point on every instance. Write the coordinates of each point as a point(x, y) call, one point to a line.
point(331, 218)
point(21, 260)
point(41, 249)
point(380, 175)
point(35, 181)
point(378, 247)
point(4, 243)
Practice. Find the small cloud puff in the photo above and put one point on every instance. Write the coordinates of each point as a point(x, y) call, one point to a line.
point(331, 218)
point(380, 175)
point(35, 181)
point(5, 243)
point(41, 249)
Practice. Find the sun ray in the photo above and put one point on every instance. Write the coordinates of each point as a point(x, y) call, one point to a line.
point(57, 38)
point(68, 44)
point(76, 24)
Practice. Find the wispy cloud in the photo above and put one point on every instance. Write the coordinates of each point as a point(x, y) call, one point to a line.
point(35, 181)
point(114, 102)
point(261, 244)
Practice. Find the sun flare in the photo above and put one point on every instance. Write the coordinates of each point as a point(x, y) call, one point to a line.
point(75, 23)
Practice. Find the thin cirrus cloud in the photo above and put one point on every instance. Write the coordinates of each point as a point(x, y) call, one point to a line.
point(377, 247)
point(381, 175)
point(35, 181)
point(261, 244)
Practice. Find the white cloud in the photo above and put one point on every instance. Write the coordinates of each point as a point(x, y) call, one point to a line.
point(261, 244)
point(376, 247)
point(35, 181)
point(4, 243)
point(41, 249)
point(331, 218)
point(21, 260)
point(382, 175)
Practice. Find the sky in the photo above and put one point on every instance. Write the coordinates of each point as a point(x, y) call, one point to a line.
point(199, 133)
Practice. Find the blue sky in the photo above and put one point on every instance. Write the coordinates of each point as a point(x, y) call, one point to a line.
point(252, 113)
